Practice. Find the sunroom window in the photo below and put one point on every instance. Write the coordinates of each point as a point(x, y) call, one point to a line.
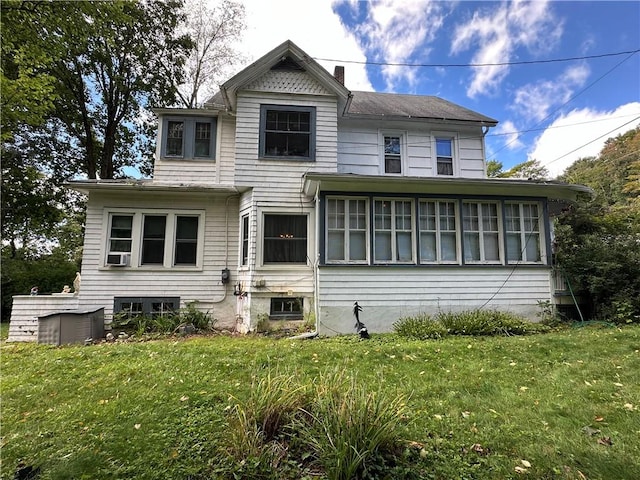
point(523, 232)
point(393, 231)
point(438, 231)
point(481, 232)
point(347, 227)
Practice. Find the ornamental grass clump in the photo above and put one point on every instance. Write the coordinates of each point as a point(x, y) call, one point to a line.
point(350, 428)
point(420, 327)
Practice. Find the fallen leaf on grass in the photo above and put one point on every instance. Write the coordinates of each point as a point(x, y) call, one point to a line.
point(605, 441)
point(521, 470)
point(466, 414)
point(629, 406)
point(526, 463)
point(599, 419)
point(618, 385)
point(184, 398)
point(137, 426)
point(479, 449)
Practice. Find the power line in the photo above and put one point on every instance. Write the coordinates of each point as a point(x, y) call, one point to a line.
point(569, 100)
point(595, 139)
point(467, 65)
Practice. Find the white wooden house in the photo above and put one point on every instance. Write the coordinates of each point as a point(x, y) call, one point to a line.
point(290, 197)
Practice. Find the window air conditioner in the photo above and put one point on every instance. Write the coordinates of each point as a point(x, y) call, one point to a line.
point(118, 259)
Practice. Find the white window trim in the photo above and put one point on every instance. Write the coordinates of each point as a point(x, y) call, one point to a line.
point(136, 241)
point(524, 234)
point(394, 245)
point(501, 252)
point(347, 261)
point(438, 232)
point(455, 150)
point(404, 164)
point(260, 239)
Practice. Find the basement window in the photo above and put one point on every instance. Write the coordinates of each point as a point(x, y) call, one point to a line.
point(150, 306)
point(286, 308)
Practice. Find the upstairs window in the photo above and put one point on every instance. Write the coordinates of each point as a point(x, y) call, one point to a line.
point(285, 239)
point(392, 154)
point(287, 132)
point(444, 156)
point(189, 137)
point(175, 137)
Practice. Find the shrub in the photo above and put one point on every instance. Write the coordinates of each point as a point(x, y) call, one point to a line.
point(469, 322)
point(199, 319)
point(420, 327)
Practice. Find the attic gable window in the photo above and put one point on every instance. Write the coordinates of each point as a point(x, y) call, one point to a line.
point(189, 138)
point(287, 132)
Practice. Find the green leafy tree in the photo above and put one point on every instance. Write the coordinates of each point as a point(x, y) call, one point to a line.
point(598, 242)
point(531, 169)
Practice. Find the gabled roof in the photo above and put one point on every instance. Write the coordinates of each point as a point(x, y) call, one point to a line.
point(286, 55)
point(393, 105)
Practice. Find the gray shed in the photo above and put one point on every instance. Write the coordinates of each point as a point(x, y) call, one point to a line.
point(70, 326)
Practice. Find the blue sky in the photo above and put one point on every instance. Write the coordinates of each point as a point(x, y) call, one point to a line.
point(555, 112)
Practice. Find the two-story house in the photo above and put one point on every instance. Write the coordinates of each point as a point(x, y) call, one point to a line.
point(291, 197)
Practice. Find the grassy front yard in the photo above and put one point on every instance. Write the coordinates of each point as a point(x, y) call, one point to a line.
point(562, 405)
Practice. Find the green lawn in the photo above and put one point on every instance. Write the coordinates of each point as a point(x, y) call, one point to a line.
point(562, 405)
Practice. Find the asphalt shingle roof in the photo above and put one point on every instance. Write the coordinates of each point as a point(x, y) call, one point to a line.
point(411, 106)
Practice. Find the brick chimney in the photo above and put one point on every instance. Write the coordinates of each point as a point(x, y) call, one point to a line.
point(338, 73)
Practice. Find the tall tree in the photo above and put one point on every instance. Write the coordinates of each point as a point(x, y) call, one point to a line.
point(109, 62)
point(214, 29)
point(531, 169)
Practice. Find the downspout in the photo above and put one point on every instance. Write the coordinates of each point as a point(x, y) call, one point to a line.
point(316, 282)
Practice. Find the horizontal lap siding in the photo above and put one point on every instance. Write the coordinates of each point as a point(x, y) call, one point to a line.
point(359, 151)
point(100, 285)
point(389, 293)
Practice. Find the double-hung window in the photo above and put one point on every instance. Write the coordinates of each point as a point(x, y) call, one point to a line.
point(438, 231)
point(155, 239)
point(393, 231)
point(287, 132)
point(481, 226)
point(392, 154)
point(120, 234)
point(285, 239)
point(245, 240)
point(347, 226)
point(189, 137)
point(523, 232)
point(444, 155)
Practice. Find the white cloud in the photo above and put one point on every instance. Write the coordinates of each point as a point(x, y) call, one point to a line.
point(509, 132)
point(535, 100)
point(395, 31)
point(497, 34)
point(313, 26)
point(584, 131)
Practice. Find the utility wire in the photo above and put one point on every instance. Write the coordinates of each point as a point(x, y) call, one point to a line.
point(590, 142)
point(467, 65)
point(573, 97)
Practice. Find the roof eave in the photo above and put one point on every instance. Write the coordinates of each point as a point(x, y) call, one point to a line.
point(129, 185)
point(314, 182)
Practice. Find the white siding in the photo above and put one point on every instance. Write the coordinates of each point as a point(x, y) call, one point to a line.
point(26, 309)
point(218, 171)
point(360, 152)
point(387, 293)
point(101, 284)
